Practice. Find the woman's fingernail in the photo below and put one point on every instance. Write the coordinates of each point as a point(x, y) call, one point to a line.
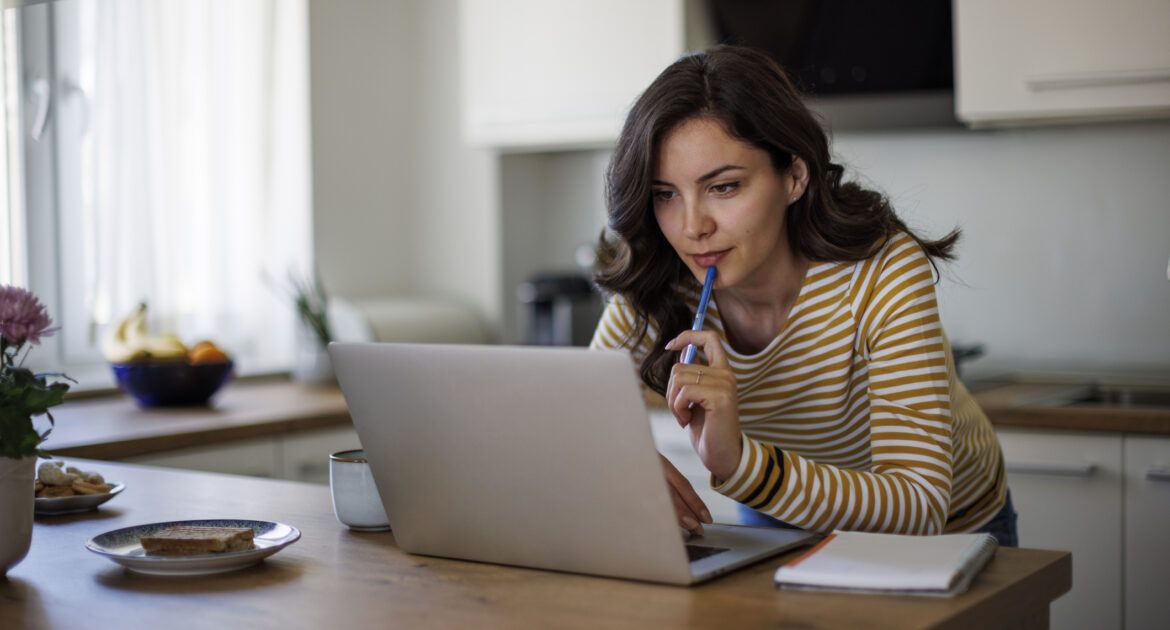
point(689, 522)
point(706, 517)
point(670, 345)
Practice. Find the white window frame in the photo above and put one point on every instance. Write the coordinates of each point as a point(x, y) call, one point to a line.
point(29, 63)
point(12, 234)
point(31, 247)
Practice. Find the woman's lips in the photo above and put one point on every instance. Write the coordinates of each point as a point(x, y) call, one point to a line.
point(709, 259)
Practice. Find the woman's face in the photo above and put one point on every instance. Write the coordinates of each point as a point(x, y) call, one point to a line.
point(719, 201)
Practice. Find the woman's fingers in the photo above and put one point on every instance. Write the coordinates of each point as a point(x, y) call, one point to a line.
point(683, 416)
point(690, 498)
point(704, 400)
point(687, 505)
point(716, 374)
point(692, 387)
point(705, 340)
point(686, 519)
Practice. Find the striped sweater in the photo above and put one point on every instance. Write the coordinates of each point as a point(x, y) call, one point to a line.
point(852, 417)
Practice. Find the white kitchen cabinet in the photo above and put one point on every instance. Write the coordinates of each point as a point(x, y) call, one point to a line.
point(1147, 532)
point(555, 73)
point(304, 455)
point(255, 458)
point(1028, 61)
point(1067, 489)
point(297, 456)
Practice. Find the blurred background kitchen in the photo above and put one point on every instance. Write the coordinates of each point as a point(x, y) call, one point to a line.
point(440, 163)
point(441, 154)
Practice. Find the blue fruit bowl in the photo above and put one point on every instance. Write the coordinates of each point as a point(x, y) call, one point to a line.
point(172, 384)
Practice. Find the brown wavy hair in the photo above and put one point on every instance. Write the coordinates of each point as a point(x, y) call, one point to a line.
point(754, 100)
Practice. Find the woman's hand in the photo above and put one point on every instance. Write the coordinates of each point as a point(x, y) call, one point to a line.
point(703, 399)
point(691, 510)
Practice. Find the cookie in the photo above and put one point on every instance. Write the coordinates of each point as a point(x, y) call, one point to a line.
point(57, 492)
point(53, 474)
point(83, 487)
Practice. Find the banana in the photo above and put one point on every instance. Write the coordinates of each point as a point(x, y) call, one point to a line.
point(130, 340)
point(166, 347)
point(122, 342)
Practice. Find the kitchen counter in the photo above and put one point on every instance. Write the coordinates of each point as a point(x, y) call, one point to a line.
point(115, 428)
point(333, 577)
point(1053, 406)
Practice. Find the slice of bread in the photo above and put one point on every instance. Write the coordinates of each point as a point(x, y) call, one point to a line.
point(192, 541)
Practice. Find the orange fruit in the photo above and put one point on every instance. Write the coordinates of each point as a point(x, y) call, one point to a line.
point(202, 344)
point(207, 352)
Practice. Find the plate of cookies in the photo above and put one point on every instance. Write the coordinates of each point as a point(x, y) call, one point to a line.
point(199, 547)
point(61, 489)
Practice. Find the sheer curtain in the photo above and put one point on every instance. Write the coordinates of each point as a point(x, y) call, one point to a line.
point(11, 221)
point(191, 168)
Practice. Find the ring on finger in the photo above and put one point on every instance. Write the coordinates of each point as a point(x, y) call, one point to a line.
point(699, 377)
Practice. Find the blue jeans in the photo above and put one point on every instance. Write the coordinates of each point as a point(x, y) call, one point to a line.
point(1002, 525)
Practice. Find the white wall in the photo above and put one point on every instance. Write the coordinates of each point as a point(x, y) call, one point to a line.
point(401, 207)
point(458, 200)
point(1066, 237)
point(363, 68)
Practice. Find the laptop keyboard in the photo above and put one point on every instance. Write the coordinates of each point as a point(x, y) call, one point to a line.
point(698, 552)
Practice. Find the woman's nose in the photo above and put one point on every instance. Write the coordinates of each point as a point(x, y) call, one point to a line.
point(697, 222)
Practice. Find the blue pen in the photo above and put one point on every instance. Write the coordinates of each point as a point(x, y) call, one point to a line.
point(701, 312)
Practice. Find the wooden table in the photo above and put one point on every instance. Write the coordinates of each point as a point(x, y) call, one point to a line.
point(334, 577)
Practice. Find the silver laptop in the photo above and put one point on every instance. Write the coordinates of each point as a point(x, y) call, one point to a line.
point(535, 457)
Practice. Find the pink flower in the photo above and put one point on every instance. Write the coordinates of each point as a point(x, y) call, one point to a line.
point(22, 317)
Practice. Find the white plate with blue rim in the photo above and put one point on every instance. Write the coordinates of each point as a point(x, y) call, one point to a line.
point(50, 506)
point(123, 546)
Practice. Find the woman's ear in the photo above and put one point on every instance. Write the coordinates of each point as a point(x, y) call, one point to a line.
point(797, 176)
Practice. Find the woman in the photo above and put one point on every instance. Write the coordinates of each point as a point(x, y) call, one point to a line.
point(827, 398)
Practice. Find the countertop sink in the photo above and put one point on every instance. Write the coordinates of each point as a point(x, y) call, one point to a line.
point(1123, 397)
point(1140, 406)
point(1004, 393)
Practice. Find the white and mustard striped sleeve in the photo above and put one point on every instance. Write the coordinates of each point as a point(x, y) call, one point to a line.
point(907, 488)
point(616, 327)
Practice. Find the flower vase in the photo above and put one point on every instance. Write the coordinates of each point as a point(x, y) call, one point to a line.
point(311, 366)
point(16, 509)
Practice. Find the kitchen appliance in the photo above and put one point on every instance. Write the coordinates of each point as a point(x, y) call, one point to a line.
point(558, 309)
point(835, 47)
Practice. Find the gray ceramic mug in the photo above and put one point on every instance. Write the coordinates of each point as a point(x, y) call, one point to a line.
point(355, 497)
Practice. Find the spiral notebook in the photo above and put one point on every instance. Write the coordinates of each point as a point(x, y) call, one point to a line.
point(890, 564)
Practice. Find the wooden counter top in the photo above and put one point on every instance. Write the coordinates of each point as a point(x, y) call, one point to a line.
point(336, 578)
point(1035, 405)
point(115, 427)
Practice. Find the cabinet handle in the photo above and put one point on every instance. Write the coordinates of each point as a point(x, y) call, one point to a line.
point(1062, 470)
point(1158, 473)
point(1096, 79)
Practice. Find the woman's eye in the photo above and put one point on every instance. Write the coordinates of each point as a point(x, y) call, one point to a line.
point(663, 195)
point(725, 188)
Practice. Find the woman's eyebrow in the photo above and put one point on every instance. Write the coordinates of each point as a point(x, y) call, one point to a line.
point(710, 175)
point(717, 172)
